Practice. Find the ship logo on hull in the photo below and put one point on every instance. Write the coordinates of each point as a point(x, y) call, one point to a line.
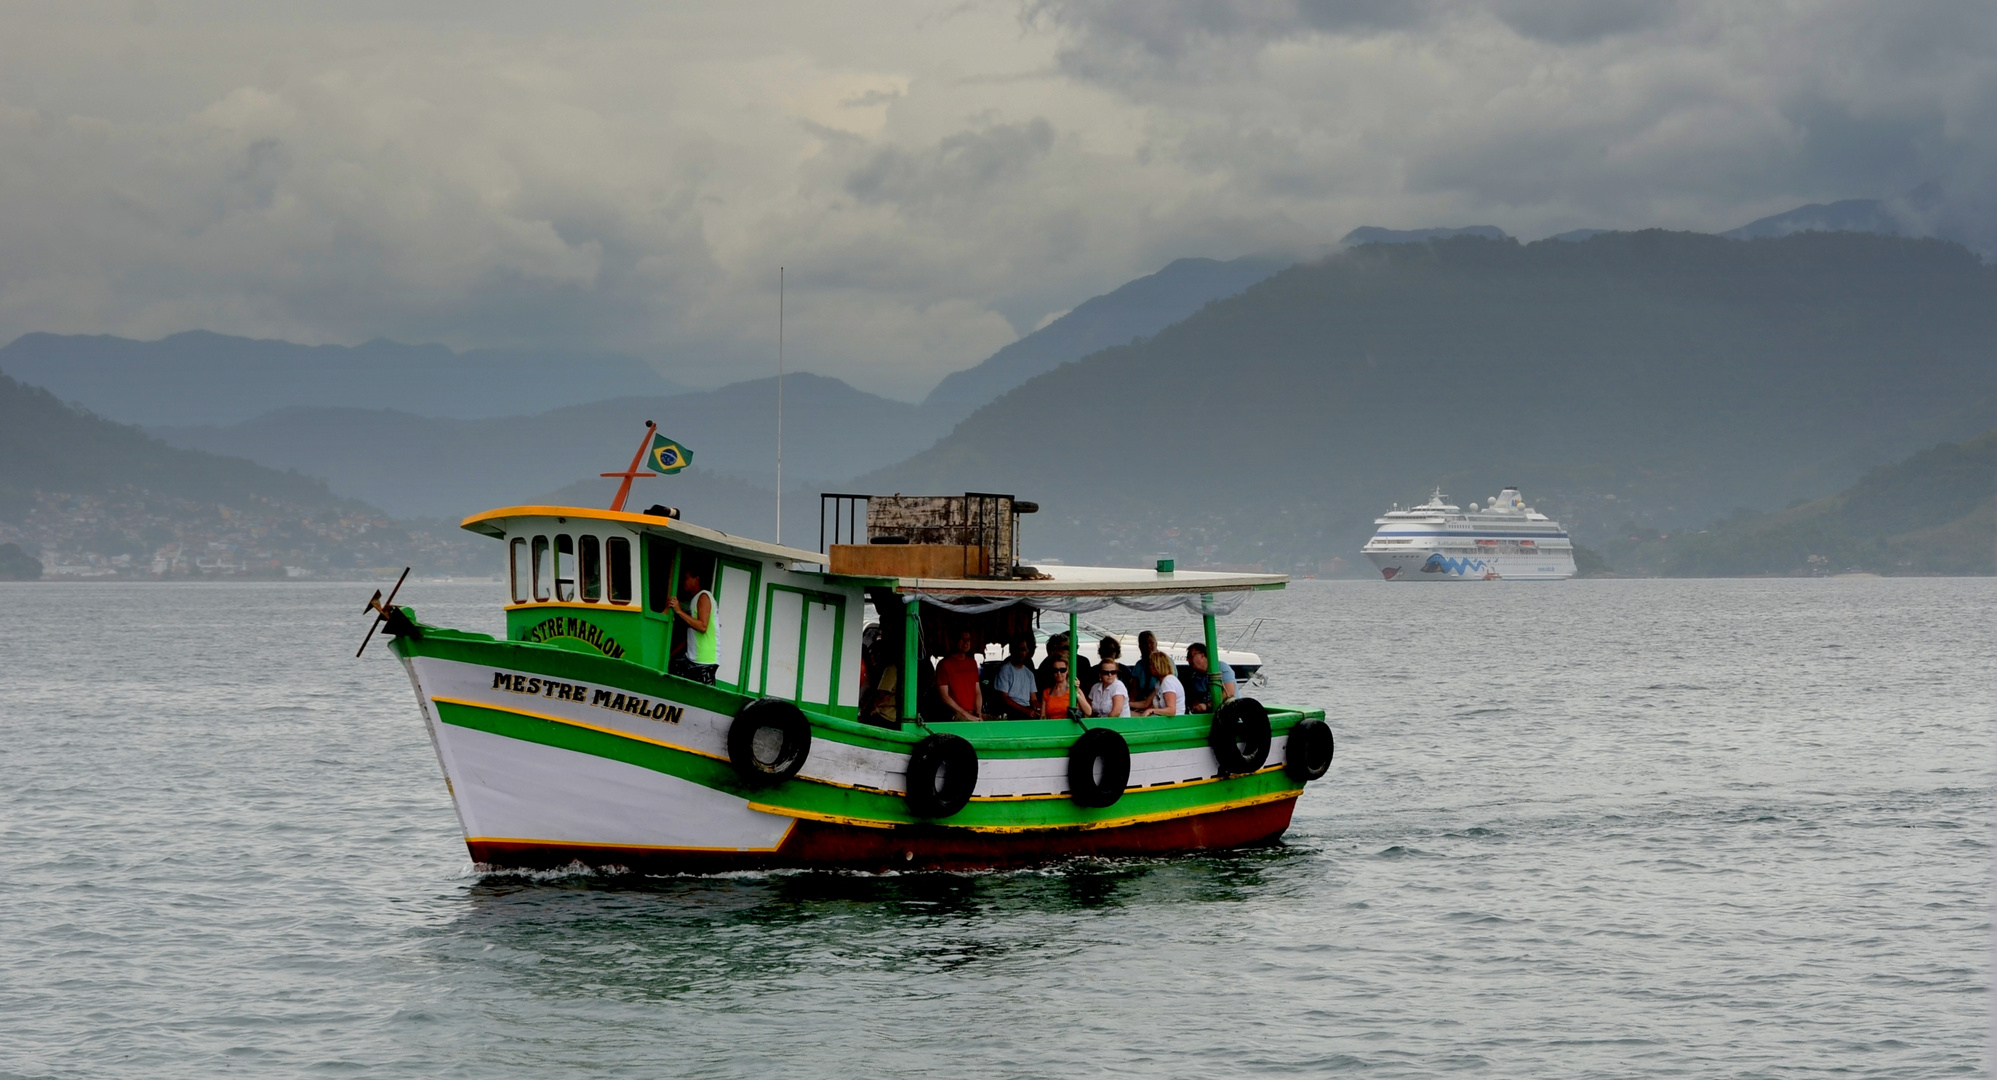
point(1439, 563)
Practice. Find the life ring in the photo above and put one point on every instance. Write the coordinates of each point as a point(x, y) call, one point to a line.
point(942, 770)
point(768, 741)
point(1307, 752)
point(1240, 737)
point(1098, 768)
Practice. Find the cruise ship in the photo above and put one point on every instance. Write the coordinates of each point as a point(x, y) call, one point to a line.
point(1438, 541)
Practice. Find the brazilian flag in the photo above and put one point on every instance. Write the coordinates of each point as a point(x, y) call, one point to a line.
point(668, 456)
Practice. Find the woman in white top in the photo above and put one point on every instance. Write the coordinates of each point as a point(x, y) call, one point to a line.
point(1170, 697)
point(1108, 697)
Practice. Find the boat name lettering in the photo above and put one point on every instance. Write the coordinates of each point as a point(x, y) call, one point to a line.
point(580, 629)
point(602, 699)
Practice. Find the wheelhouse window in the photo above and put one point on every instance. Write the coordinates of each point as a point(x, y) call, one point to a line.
point(618, 550)
point(544, 570)
point(519, 569)
point(565, 567)
point(590, 564)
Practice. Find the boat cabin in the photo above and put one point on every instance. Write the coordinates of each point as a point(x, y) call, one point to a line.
point(787, 621)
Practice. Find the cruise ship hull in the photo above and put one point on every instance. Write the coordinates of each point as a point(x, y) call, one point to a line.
point(1428, 565)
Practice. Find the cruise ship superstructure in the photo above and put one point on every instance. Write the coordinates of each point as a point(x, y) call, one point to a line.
point(1438, 541)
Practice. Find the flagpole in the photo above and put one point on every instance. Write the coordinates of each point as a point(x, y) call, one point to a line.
point(780, 404)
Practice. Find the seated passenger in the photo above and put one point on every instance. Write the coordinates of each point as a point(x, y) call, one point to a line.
point(1108, 697)
point(957, 680)
point(1138, 676)
point(1107, 648)
point(1057, 649)
point(1199, 681)
point(1054, 690)
point(1169, 694)
point(1015, 682)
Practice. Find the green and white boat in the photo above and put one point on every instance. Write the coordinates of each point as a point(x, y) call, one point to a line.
point(570, 741)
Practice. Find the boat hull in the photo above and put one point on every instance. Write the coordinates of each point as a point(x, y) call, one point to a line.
point(822, 845)
point(1420, 564)
point(555, 758)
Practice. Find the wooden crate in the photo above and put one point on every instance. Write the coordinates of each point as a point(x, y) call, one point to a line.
point(909, 560)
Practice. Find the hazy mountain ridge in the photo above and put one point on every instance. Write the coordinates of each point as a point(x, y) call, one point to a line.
point(46, 445)
point(1933, 513)
point(1666, 375)
point(1137, 308)
point(87, 497)
point(199, 377)
point(415, 465)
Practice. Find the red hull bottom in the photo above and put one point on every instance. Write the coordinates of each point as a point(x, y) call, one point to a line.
point(817, 845)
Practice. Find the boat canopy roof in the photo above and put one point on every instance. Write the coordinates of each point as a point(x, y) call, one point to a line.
point(493, 523)
point(1088, 581)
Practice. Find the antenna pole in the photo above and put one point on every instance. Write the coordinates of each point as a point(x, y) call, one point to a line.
point(780, 404)
point(632, 473)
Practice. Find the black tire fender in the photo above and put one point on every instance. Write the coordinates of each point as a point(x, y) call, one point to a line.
point(1307, 752)
point(1240, 736)
point(942, 772)
point(1098, 768)
point(768, 741)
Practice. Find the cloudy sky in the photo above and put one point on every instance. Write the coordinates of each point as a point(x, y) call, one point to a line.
point(937, 177)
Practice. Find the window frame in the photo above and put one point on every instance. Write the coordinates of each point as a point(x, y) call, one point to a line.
point(516, 555)
point(541, 554)
point(589, 568)
point(565, 587)
point(616, 563)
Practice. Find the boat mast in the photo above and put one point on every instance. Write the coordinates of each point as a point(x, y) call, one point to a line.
point(780, 404)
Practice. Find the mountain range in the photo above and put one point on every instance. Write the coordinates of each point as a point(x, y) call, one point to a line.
point(1933, 513)
point(414, 465)
point(204, 378)
point(1665, 376)
point(46, 446)
point(1261, 411)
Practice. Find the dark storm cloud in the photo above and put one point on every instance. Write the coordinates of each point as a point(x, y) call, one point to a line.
point(958, 165)
point(936, 179)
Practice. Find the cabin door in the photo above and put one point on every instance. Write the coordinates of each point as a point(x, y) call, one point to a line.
point(735, 608)
point(802, 643)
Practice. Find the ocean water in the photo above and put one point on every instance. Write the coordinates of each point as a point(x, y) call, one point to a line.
point(1656, 828)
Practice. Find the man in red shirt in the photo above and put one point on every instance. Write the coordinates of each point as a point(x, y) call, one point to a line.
point(957, 680)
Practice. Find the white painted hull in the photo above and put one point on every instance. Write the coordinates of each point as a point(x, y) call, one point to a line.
point(517, 791)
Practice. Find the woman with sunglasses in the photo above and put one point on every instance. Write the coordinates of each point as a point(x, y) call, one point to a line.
point(1054, 695)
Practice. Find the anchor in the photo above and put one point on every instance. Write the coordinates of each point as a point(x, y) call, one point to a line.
point(385, 610)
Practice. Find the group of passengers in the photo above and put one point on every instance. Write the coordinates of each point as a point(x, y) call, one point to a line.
point(1016, 689)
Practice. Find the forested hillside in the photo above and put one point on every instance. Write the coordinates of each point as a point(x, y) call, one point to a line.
point(1657, 377)
point(1934, 513)
point(48, 446)
point(92, 498)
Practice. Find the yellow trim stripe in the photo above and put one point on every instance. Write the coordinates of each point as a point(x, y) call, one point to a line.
point(584, 605)
point(1139, 819)
point(834, 819)
point(1084, 826)
point(577, 723)
point(633, 847)
point(1166, 786)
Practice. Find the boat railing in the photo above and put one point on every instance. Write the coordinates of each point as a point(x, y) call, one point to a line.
point(847, 515)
